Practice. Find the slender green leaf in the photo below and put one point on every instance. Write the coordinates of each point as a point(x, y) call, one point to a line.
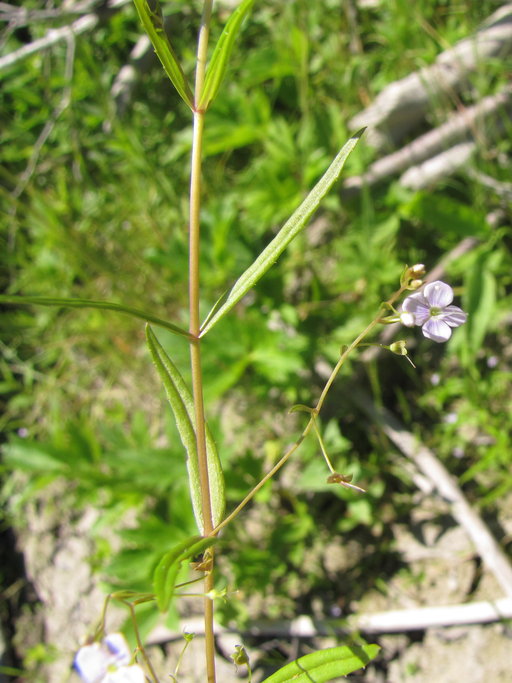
point(153, 22)
point(216, 307)
point(479, 302)
point(290, 229)
point(164, 576)
point(219, 61)
point(182, 405)
point(325, 665)
point(89, 303)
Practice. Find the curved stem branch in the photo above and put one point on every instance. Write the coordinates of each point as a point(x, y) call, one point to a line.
point(311, 423)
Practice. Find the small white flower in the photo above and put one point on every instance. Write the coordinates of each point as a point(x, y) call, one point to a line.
point(432, 310)
point(108, 662)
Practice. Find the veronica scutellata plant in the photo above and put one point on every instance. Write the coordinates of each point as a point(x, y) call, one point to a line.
point(107, 659)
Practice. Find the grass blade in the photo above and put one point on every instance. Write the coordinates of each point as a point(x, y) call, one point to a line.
point(153, 22)
point(90, 303)
point(325, 665)
point(290, 229)
point(182, 405)
point(219, 61)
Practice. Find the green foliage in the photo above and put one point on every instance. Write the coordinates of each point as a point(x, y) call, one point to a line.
point(153, 22)
point(115, 472)
point(288, 232)
point(480, 302)
point(182, 405)
point(218, 64)
point(107, 466)
point(325, 665)
point(86, 303)
point(166, 572)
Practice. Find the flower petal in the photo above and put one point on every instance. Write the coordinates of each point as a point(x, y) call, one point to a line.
point(454, 316)
point(438, 294)
point(117, 646)
point(417, 305)
point(126, 674)
point(91, 663)
point(437, 330)
point(407, 319)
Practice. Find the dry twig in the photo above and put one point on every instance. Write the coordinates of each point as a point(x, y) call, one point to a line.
point(486, 546)
point(489, 114)
point(403, 104)
point(56, 35)
point(392, 621)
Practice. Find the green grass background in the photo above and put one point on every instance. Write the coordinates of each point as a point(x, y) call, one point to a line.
point(103, 215)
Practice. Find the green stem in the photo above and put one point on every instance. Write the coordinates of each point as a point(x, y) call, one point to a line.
point(322, 446)
point(194, 323)
point(139, 641)
point(195, 346)
point(311, 423)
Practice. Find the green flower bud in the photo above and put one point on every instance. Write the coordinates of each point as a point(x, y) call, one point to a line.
point(399, 348)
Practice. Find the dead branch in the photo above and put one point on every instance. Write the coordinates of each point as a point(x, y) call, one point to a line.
point(392, 621)
point(501, 189)
point(441, 166)
point(421, 618)
point(486, 546)
point(402, 105)
point(489, 115)
point(56, 35)
point(140, 60)
point(23, 16)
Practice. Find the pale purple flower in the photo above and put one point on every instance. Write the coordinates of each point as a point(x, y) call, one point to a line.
point(108, 662)
point(432, 309)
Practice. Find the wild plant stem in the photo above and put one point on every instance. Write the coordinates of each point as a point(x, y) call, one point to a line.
point(194, 323)
point(195, 345)
point(139, 641)
point(312, 421)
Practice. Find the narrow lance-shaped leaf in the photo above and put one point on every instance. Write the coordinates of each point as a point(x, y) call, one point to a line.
point(164, 576)
point(182, 405)
point(90, 303)
point(220, 57)
point(290, 229)
point(325, 665)
point(151, 17)
point(480, 300)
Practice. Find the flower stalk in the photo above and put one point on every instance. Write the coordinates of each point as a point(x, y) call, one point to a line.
point(314, 412)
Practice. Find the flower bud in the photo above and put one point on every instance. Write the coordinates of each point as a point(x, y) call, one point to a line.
point(407, 319)
point(240, 656)
point(215, 594)
point(417, 271)
point(399, 348)
point(411, 277)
